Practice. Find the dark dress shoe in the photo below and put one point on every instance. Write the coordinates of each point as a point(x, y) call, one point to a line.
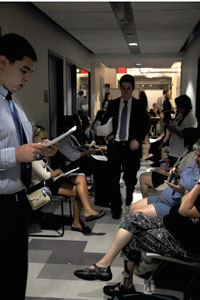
point(103, 274)
point(128, 201)
point(116, 214)
point(95, 217)
point(118, 290)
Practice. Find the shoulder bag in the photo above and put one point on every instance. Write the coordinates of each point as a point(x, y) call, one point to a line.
point(38, 195)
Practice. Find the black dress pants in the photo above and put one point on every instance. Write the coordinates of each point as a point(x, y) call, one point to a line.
point(122, 159)
point(14, 246)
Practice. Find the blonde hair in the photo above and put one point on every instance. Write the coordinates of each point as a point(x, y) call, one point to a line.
point(37, 129)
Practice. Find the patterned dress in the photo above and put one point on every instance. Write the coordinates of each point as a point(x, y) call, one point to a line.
point(151, 235)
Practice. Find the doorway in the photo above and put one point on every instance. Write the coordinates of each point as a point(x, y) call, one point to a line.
point(56, 102)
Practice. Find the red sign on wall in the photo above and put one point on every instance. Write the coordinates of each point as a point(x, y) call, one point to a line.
point(121, 70)
point(83, 71)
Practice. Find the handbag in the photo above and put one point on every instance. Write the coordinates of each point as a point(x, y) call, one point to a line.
point(38, 195)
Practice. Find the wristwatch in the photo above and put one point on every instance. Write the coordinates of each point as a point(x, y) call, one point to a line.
point(198, 182)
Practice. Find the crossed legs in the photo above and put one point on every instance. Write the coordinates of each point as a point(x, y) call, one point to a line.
point(76, 186)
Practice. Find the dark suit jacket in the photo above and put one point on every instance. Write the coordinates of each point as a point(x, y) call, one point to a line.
point(139, 119)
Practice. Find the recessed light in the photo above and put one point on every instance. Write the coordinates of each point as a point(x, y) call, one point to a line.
point(133, 44)
point(138, 64)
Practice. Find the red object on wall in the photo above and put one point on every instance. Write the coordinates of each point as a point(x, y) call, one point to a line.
point(83, 71)
point(121, 70)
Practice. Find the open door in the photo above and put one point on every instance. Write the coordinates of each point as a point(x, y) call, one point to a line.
point(56, 102)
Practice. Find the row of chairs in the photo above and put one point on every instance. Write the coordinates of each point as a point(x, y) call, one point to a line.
point(58, 199)
point(61, 199)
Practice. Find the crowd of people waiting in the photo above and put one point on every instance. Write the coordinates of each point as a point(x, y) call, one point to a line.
point(167, 224)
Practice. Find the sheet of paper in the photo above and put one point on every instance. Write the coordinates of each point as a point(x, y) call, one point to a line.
point(60, 137)
point(155, 140)
point(106, 129)
point(99, 157)
point(65, 174)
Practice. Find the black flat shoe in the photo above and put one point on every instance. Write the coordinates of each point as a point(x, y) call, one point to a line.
point(118, 290)
point(99, 273)
point(95, 217)
point(83, 229)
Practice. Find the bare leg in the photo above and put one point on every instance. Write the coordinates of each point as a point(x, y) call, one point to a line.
point(82, 192)
point(77, 212)
point(142, 205)
point(69, 190)
point(122, 238)
point(145, 183)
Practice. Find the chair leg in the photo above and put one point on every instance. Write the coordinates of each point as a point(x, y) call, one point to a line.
point(60, 232)
point(147, 286)
point(70, 208)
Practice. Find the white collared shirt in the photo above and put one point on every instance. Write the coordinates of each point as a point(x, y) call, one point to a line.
point(121, 106)
point(10, 170)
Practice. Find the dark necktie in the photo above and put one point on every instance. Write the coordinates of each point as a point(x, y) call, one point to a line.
point(25, 167)
point(122, 131)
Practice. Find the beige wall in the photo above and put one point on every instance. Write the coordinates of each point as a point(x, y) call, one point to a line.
point(43, 35)
point(189, 71)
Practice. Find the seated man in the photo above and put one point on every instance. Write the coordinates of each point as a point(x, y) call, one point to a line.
point(174, 235)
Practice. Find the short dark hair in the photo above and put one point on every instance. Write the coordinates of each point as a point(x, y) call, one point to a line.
point(15, 47)
point(68, 121)
point(127, 78)
point(184, 101)
point(80, 93)
point(165, 91)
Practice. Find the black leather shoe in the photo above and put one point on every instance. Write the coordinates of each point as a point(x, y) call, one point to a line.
point(118, 290)
point(116, 214)
point(103, 274)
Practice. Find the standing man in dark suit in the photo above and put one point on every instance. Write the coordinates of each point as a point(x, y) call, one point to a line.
point(130, 126)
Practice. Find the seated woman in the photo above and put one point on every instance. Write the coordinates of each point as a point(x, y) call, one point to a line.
point(174, 235)
point(156, 178)
point(160, 205)
point(73, 186)
point(154, 114)
point(180, 128)
point(71, 154)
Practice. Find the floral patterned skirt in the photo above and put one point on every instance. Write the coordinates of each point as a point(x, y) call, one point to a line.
point(150, 235)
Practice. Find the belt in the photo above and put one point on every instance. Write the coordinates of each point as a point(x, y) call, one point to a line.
point(16, 196)
point(122, 143)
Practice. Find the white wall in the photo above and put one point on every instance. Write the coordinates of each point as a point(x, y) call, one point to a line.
point(189, 71)
point(24, 19)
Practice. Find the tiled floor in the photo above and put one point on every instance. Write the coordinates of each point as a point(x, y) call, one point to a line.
point(52, 261)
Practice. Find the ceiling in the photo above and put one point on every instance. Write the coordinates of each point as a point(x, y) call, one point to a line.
point(161, 29)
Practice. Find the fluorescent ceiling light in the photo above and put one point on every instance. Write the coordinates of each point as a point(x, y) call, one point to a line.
point(133, 44)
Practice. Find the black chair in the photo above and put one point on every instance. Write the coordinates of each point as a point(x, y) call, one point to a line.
point(60, 199)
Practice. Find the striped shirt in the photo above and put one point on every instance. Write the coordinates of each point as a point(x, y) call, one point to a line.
point(10, 171)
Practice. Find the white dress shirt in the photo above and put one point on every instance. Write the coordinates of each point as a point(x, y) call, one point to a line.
point(10, 171)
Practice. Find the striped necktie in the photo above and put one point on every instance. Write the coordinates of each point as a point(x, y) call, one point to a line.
point(26, 168)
